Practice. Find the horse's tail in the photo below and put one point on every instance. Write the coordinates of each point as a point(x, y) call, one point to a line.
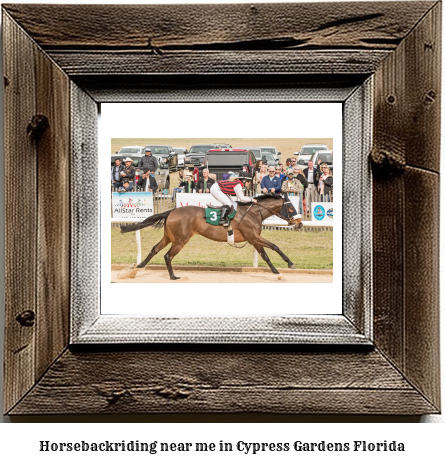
point(157, 221)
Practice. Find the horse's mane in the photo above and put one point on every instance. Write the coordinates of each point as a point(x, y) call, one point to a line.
point(262, 197)
point(270, 195)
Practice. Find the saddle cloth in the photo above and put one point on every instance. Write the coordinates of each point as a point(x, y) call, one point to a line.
point(213, 215)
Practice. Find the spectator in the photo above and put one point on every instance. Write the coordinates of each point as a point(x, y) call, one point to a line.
point(259, 177)
point(293, 187)
point(148, 162)
point(279, 173)
point(293, 162)
point(205, 183)
point(271, 183)
point(288, 164)
point(188, 184)
point(178, 189)
point(325, 183)
point(257, 166)
point(247, 186)
point(312, 175)
point(125, 187)
point(116, 174)
point(142, 182)
point(298, 174)
point(128, 173)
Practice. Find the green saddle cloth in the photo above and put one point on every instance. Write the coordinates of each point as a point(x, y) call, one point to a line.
point(213, 216)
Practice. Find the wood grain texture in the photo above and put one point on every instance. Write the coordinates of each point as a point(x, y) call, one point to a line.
point(422, 96)
point(116, 62)
point(397, 41)
point(422, 323)
point(53, 229)
point(275, 26)
point(20, 213)
point(389, 140)
point(406, 131)
point(221, 382)
point(357, 208)
point(85, 210)
point(218, 88)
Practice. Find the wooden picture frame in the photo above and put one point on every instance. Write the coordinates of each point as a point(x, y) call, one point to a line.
point(75, 57)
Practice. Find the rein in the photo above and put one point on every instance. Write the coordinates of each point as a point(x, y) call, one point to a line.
point(273, 213)
point(246, 212)
point(234, 245)
point(262, 219)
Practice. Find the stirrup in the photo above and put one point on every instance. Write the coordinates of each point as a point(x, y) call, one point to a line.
point(224, 220)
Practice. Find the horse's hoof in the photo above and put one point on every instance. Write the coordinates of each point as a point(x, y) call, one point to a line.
point(174, 277)
point(280, 277)
point(292, 267)
point(140, 266)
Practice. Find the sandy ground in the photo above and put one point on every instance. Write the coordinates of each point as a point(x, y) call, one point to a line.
point(155, 276)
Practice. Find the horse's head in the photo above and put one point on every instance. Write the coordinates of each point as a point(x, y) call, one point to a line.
point(288, 211)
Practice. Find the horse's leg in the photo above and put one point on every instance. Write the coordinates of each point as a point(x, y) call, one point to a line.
point(264, 256)
point(266, 243)
point(158, 247)
point(175, 249)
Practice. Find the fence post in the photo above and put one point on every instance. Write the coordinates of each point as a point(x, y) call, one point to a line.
point(138, 245)
point(255, 258)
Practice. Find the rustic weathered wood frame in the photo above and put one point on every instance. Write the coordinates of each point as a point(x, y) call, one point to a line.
point(74, 57)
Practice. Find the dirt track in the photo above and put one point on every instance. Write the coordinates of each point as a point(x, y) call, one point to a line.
point(199, 276)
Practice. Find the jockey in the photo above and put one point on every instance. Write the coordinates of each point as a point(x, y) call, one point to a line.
point(222, 190)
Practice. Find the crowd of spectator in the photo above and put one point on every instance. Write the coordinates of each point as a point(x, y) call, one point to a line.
point(310, 184)
point(123, 176)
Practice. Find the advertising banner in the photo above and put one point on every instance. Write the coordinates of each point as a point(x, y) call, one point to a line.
point(202, 200)
point(196, 200)
point(132, 204)
point(323, 212)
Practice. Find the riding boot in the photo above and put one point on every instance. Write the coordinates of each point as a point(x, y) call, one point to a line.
point(224, 221)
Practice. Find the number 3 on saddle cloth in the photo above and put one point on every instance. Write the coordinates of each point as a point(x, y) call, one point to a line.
point(213, 215)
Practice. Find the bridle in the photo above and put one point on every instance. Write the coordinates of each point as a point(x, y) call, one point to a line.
point(283, 205)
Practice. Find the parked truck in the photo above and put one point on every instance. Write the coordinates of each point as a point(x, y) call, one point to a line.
point(223, 161)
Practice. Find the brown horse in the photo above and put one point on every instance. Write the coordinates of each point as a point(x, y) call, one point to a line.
point(182, 223)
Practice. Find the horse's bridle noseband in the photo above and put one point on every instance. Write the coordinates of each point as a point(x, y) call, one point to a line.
point(284, 205)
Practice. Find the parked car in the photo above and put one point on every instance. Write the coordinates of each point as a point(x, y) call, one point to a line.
point(182, 152)
point(271, 150)
point(223, 145)
point(166, 154)
point(162, 174)
point(306, 152)
point(131, 150)
point(324, 156)
point(255, 150)
point(268, 159)
point(196, 156)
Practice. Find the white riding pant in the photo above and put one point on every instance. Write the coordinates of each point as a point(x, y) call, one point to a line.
point(219, 195)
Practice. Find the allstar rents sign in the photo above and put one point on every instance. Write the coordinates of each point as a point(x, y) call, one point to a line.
point(323, 212)
point(132, 204)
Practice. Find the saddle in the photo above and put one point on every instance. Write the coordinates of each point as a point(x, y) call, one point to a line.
point(213, 215)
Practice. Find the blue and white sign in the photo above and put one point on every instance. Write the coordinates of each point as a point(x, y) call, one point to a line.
point(132, 204)
point(323, 212)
